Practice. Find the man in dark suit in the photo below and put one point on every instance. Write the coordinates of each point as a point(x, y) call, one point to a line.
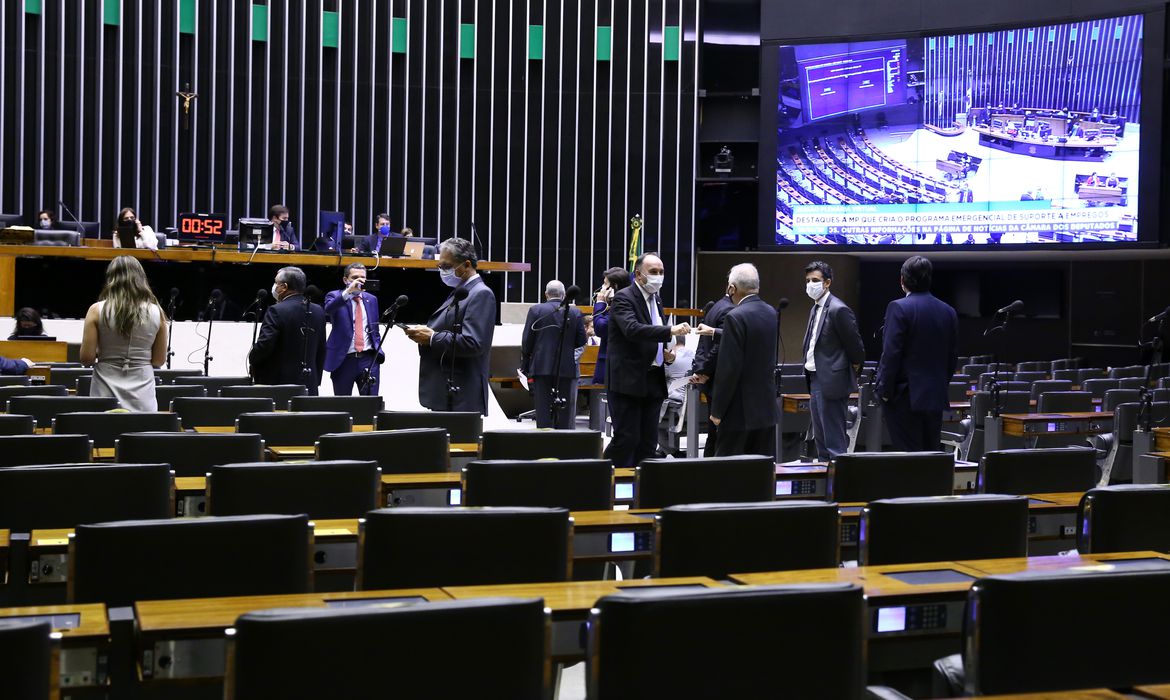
point(284, 236)
point(706, 359)
point(291, 346)
point(833, 354)
point(918, 359)
point(354, 344)
point(744, 402)
point(539, 360)
point(635, 378)
point(373, 243)
point(470, 350)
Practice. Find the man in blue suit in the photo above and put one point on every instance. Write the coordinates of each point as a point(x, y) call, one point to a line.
point(9, 366)
point(354, 345)
point(470, 350)
point(539, 360)
point(918, 359)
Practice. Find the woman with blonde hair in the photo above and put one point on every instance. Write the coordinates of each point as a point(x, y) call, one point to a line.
point(125, 337)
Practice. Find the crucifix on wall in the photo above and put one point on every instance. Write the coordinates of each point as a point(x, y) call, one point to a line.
point(188, 97)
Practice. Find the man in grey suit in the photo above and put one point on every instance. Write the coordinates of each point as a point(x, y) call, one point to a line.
point(460, 331)
point(833, 354)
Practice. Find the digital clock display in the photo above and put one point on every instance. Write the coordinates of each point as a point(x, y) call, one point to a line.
point(202, 227)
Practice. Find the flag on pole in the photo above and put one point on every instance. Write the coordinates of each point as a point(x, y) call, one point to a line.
point(636, 243)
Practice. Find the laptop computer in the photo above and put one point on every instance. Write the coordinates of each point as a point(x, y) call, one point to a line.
point(392, 246)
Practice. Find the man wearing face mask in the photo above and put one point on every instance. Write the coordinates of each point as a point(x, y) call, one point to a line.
point(284, 236)
point(833, 355)
point(290, 348)
point(635, 375)
point(918, 358)
point(438, 345)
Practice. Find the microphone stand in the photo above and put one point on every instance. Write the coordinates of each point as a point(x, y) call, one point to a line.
point(778, 377)
point(207, 358)
point(170, 329)
point(993, 386)
point(456, 331)
point(366, 380)
point(558, 401)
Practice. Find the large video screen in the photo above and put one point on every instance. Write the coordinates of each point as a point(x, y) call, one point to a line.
point(1016, 136)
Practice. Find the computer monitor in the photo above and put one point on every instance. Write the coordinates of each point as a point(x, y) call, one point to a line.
point(332, 230)
point(254, 233)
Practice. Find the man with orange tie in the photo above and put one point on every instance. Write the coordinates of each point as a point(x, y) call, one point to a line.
point(350, 350)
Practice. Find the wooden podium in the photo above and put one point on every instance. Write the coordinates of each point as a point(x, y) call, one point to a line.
point(35, 350)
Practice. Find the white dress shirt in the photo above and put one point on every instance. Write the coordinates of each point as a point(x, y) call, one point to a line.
point(810, 362)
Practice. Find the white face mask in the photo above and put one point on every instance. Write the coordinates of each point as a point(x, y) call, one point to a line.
point(449, 277)
point(814, 290)
point(274, 294)
point(654, 283)
point(45, 223)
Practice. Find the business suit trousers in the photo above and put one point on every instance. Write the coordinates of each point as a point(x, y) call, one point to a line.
point(350, 371)
point(828, 421)
point(761, 441)
point(913, 431)
point(542, 396)
point(635, 428)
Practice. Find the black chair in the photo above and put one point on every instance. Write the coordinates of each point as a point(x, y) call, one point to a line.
point(279, 393)
point(1164, 383)
point(867, 476)
point(213, 411)
point(16, 424)
point(45, 408)
point(165, 393)
point(1048, 385)
point(84, 383)
point(1086, 374)
point(1033, 376)
point(120, 562)
point(19, 450)
point(576, 484)
point(426, 547)
point(1161, 395)
point(68, 376)
point(337, 489)
point(414, 450)
point(190, 454)
point(766, 641)
point(1066, 363)
point(353, 651)
point(28, 657)
point(212, 384)
point(67, 495)
point(167, 376)
point(660, 483)
point(105, 428)
point(1062, 645)
point(1126, 518)
point(7, 392)
point(1054, 470)
point(1134, 383)
point(61, 238)
point(1116, 397)
point(283, 429)
point(957, 391)
point(977, 526)
point(1127, 372)
point(463, 426)
point(1041, 366)
point(15, 380)
point(720, 539)
point(363, 409)
point(1072, 375)
point(971, 444)
point(1065, 402)
point(974, 370)
point(541, 444)
point(1097, 387)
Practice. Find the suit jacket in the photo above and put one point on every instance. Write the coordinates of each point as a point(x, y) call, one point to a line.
point(601, 332)
point(745, 397)
point(839, 347)
point(633, 342)
point(8, 366)
point(368, 244)
point(472, 351)
point(282, 349)
point(542, 331)
point(339, 311)
point(707, 354)
point(918, 352)
point(289, 235)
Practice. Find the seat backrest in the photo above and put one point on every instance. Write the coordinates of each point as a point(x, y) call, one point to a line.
point(165, 393)
point(974, 370)
point(541, 444)
point(1124, 518)
point(84, 383)
point(1032, 376)
point(67, 495)
point(7, 392)
point(167, 376)
point(1050, 470)
point(1034, 366)
point(303, 428)
point(793, 384)
point(1064, 402)
point(67, 376)
point(659, 483)
point(46, 408)
point(213, 384)
point(1164, 383)
point(15, 380)
point(19, 450)
point(1009, 402)
point(1047, 385)
point(104, 428)
point(412, 450)
point(501, 645)
point(1098, 386)
point(1134, 383)
point(27, 651)
point(425, 547)
point(17, 424)
point(733, 642)
point(1086, 374)
point(190, 454)
point(1072, 375)
point(120, 562)
point(867, 476)
point(576, 484)
point(957, 391)
point(328, 490)
point(279, 393)
point(1161, 395)
point(462, 426)
point(1116, 397)
point(363, 409)
point(977, 526)
point(215, 411)
point(1131, 371)
point(1116, 644)
point(720, 539)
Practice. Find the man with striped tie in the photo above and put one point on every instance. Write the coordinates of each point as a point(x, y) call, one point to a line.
point(350, 349)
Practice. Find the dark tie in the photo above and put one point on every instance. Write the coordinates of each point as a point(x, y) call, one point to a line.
point(812, 319)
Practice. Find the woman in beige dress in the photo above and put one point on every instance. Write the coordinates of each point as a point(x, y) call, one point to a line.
point(125, 337)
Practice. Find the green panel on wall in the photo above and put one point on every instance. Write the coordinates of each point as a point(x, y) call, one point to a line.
point(604, 43)
point(671, 46)
point(398, 35)
point(467, 41)
point(536, 42)
point(112, 12)
point(187, 16)
point(259, 22)
point(33, 7)
point(330, 30)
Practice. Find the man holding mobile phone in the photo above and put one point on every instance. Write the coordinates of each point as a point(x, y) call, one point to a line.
point(350, 350)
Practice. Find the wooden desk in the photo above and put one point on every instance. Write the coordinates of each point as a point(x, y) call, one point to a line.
point(1162, 439)
point(184, 639)
point(85, 641)
point(35, 350)
point(283, 452)
point(1034, 425)
point(219, 429)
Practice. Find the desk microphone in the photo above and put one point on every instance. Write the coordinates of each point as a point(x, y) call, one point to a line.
point(571, 295)
point(1011, 308)
point(174, 294)
point(1159, 317)
point(400, 302)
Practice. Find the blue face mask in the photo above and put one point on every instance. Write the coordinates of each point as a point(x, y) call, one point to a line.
point(384, 231)
point(449, 277)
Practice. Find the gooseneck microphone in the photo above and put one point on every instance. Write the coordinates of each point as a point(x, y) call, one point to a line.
point(571, 295)
point(1011, 308)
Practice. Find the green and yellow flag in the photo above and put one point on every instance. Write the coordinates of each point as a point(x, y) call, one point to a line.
point(636, 243)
